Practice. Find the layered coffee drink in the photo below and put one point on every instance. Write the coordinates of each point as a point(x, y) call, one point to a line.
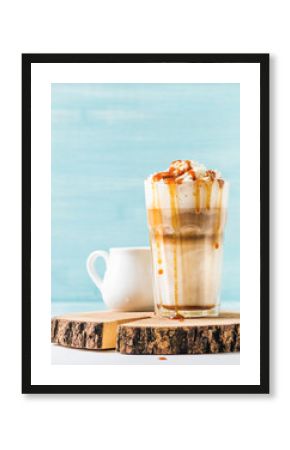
point(186, 211)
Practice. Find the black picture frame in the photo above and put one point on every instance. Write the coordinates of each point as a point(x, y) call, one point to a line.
point(263, 60)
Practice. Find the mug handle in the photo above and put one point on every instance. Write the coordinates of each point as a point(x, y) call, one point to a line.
point(91, 267)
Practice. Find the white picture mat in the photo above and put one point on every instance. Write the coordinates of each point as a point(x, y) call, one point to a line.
point(248, 75)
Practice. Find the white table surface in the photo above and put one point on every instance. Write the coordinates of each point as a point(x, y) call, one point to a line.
point(68, 356)
point(62, 355)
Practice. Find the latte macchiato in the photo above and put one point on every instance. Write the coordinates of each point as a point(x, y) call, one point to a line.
point(186, 211)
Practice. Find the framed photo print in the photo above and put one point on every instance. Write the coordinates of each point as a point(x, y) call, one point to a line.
point(145, 223)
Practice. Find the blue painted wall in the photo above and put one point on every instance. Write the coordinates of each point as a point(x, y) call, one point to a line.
point(106, 138)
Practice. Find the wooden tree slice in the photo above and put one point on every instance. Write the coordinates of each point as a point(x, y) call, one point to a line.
point(90, 330)
point(154, 336)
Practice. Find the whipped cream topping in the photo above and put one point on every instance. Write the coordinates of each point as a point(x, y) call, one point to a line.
point(194, 186)
point(181, 171)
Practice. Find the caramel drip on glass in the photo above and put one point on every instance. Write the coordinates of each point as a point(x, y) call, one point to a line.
point(208, 186)
point(156, 213)
point(175, 225)
point(197, 196)
point(157, 222)
point(216, 243)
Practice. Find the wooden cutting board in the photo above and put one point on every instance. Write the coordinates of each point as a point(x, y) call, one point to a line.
point(90, 330)
point(172, 337)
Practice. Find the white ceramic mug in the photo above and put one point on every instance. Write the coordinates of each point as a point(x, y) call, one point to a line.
point(127, 283)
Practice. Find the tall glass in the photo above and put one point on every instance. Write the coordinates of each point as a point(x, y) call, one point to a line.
point(186, 224)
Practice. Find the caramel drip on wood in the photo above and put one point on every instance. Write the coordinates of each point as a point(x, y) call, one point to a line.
point(175, 225)
point(177, 317)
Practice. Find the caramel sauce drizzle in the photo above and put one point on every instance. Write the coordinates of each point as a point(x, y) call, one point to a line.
point(177, 317)
point(216, 243)
point(156, 213)
point(174, 221)
point(208, 187)
point(197, 196)
point(167, 177)
point(157, 221)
